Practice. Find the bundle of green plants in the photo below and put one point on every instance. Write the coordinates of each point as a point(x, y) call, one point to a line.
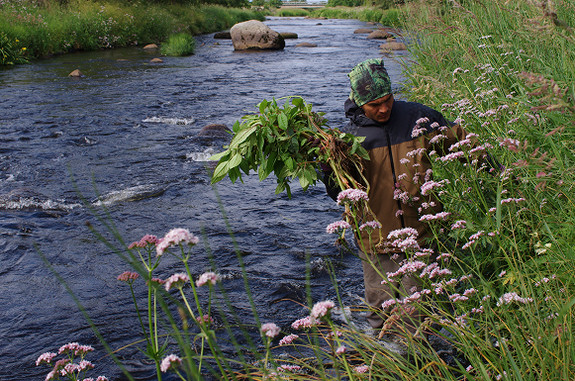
point(292, 142)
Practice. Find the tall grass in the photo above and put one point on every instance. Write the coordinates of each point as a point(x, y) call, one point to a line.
point(389, 17)
point(91, 25)
point(495, 68)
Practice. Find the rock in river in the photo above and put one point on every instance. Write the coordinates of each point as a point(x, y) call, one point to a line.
point(254, 34)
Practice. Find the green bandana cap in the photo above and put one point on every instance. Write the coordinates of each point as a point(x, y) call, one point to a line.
point(369, 81)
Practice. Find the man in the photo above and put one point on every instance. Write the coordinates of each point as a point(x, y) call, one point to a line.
point(397, 137)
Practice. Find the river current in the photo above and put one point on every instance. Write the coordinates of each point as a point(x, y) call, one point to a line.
point(124, 140)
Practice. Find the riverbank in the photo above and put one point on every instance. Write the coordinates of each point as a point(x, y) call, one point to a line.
point(29, 31)
point(496, 68)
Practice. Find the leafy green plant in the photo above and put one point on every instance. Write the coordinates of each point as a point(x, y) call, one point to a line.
point(181, 44)
point(11, 51)
point(292, 142)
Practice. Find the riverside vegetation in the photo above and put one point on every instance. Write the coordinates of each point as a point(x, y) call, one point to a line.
point(499, 285)
point(32, 29)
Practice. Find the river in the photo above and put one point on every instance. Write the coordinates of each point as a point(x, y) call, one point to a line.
point(125, 139)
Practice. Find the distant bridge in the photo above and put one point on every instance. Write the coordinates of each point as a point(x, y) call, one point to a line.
point(304, 4)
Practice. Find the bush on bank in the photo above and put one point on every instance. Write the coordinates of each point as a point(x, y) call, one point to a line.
point(40, 29)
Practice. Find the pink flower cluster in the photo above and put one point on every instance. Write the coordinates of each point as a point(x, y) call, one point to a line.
point(177, 280)
point(303, 323)
point(128, 276)
point(144, 241)
point(318, 311)
point(351, 196)
point(511, 297)
point(337, 226)
point(288, 368)
point(206, 319)
point(170, 362)
point(209, 278)
point(321, 309)
point(370, 226)
point(270, 330)
point(75, 349)
point(289, 339)
point(429, 186)
point(174, 237)
point(473, 238)
point(441, 216)
point(66, 367)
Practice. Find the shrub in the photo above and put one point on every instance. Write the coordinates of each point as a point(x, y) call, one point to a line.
point(11, 51)
point(180, 44)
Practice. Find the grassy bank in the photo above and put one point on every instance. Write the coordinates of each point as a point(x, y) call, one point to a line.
point(496, 68)
point(388, 17)
point(29, 30)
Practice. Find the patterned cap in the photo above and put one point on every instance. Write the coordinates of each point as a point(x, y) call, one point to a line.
point(369, 81)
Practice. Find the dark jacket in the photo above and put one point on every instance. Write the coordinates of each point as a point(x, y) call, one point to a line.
point(399, 162)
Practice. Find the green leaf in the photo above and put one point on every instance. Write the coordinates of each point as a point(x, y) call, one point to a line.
point(220, 172)
point(243, 135)
point(235, 160)
point(297, 101)
point(218, 156)
point(263, 105)
point(282, 121)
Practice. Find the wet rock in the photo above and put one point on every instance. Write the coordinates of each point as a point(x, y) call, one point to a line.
point(76, 73)
point(150, 47)
point(362, 31)
point(215, 130)
point(392, 45)
point(225, 35)
point(306, 45)
point(156, 60)
point(380, 34)
point(254, 34)
point(289, 35)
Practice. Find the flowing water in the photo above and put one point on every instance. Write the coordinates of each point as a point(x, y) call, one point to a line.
point(125, 138)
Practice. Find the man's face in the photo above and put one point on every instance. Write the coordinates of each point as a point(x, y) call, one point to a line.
point(379, 109)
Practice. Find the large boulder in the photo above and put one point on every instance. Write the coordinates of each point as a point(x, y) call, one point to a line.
point(255, 35)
